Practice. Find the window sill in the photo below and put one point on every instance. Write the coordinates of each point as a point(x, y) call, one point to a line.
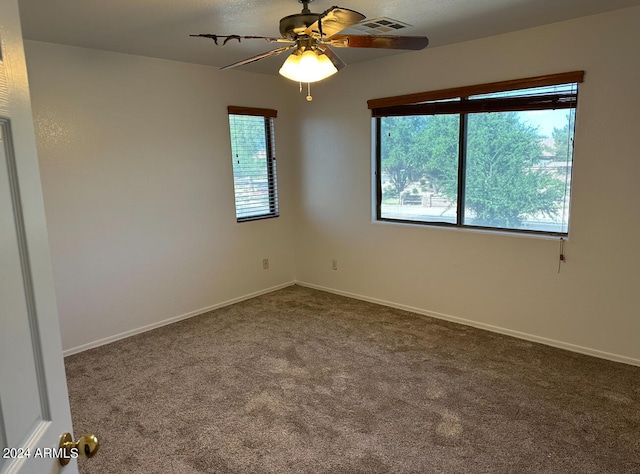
point(454, 228)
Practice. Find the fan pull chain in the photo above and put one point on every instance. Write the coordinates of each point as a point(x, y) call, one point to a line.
point(309, 98)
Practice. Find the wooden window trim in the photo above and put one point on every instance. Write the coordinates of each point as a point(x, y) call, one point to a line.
point(466, 91)
point(237, 110)
point(241, 202)
point(464, 101)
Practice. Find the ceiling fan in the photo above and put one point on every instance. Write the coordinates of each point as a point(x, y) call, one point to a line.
point(310, 35)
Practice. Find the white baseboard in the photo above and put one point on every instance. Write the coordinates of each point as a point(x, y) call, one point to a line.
point(432, 314)
point(175, 319)
point(486, 327)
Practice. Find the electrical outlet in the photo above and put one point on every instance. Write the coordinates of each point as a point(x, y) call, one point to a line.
point(334, 264)
point(265, 264)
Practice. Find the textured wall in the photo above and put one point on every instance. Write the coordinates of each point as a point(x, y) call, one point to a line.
point(137, 180)
point(138, 192)
point(505, 282)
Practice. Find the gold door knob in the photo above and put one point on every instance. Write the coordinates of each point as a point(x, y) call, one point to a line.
point(86, 446)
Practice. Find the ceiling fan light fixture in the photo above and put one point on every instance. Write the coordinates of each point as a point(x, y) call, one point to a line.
point(290, 68)
point(312, 37)
point(309, 66)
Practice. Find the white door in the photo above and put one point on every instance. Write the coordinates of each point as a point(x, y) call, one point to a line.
point(34, 408)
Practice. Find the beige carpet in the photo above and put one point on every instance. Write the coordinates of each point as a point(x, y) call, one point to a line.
point(302, 381)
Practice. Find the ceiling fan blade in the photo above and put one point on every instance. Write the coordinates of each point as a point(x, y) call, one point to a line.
point(334, 20)
point(252, 59)
point(227, 38)
point(379, 41)
point(335, 59)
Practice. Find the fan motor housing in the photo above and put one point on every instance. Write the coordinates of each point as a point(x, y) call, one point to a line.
point(294, 25)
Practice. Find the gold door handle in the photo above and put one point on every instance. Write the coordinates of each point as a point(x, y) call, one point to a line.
point(86, 446)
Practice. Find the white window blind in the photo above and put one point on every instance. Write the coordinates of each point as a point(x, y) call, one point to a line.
point(254, 162)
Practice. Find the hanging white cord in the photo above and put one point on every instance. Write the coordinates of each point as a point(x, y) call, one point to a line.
point(561, 258)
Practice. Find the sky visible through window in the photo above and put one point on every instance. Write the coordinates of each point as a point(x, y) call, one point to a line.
point(544, 120)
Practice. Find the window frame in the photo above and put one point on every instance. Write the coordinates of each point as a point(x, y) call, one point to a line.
point(423, 104)
point(269, 129)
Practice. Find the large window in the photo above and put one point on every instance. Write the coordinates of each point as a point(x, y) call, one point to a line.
point(254, 162)
point(493, 156)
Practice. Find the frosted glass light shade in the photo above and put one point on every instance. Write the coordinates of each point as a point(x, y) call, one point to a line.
point(310, 66)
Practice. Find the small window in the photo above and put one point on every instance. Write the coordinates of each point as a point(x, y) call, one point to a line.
point(254, 162)
point(494, 156)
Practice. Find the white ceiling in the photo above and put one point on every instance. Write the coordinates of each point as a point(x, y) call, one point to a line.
point(161, 28)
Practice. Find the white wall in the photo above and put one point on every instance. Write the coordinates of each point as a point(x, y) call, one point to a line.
point(503, 282)
point(137, 180)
